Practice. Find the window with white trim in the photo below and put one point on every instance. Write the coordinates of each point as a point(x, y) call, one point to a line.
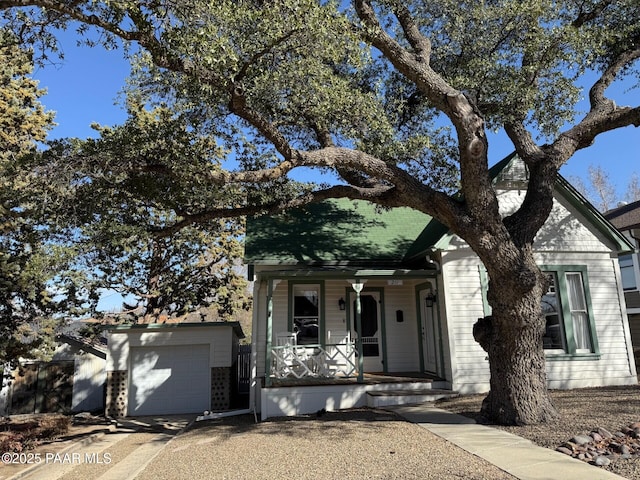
point(567, 311)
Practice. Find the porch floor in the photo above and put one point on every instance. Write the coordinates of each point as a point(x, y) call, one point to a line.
point(369, 379)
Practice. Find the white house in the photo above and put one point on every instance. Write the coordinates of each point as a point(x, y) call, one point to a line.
point(626, 218)
point(419, 289)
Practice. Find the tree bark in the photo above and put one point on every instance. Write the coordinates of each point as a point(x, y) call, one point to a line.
point(153, 308)
point(512, 337)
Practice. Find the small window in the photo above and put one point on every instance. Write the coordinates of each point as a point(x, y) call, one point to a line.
point(306, 313)
point(566, 308)
point(626, 270)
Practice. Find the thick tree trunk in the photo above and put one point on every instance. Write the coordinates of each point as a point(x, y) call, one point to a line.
point(154, 306)
point(512, 337)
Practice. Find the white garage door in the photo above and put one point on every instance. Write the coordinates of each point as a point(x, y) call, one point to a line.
point(170, 379)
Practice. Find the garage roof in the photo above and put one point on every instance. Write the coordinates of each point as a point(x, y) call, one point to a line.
point(172, 326)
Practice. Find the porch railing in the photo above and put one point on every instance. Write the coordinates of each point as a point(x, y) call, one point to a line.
point(300, 361)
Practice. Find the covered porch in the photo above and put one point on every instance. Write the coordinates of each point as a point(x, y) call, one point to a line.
point(313, 319)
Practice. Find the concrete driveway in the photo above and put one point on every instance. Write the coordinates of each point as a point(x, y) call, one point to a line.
point(120, 453)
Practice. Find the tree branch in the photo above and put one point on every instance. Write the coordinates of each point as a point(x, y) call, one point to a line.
point(524, 143)
point(604, 115)
point(238, 105)
point(586, 16)
point(415, 68)
point(380, 195)
point(254, 58)
point(596, 93)
point(462, 112)
point(420, 43)
point(73, 13)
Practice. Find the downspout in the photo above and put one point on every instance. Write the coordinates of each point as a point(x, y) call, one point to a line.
point(635, 258)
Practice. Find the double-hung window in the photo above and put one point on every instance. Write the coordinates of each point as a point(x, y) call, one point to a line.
point(306, 309)
point(626, 270)
point(566, 307)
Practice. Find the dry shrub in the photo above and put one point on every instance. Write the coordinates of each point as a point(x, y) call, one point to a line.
point(21, 436)
point(16, 442)
point(53, 426)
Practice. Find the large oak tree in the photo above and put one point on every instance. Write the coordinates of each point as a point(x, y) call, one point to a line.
point(395, 98)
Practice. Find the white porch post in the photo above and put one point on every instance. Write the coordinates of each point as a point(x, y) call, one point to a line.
point(267, 366)
point(357, 287)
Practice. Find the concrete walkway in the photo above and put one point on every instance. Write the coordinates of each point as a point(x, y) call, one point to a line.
point(515, 455)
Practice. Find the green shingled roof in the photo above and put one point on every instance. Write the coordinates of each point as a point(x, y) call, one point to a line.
point(340, 231)
point(349, 232)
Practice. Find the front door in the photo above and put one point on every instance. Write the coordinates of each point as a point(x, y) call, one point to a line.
point(371, 329)
point(430, 345)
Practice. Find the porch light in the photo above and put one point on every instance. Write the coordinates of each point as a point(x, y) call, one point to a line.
point(429, 298)
point(342, 304)
point(357, 285)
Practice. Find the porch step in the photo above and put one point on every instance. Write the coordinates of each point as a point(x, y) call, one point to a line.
point(386, 398)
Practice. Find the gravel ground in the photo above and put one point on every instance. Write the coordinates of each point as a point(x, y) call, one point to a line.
point(581, 411)
point(354, 444)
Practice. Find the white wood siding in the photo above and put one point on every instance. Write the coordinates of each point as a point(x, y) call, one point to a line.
point(564, 240)
point(280, 320)
point(336, 319)
point(565, 230)
point(463, 297)
point(219, 339)
point(88, 383)
point(403, 350)
point(89, 377)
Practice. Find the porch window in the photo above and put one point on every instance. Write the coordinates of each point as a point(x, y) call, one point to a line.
point(566, 308)
point(306, 313)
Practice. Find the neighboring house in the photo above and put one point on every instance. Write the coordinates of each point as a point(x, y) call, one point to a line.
point(626, 218)
point(73, 381)
point(159, 369)
point(324, 272)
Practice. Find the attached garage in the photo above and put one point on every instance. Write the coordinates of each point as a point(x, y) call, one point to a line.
point(171, 369)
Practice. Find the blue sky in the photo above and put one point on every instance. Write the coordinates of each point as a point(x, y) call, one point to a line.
point(84, 89)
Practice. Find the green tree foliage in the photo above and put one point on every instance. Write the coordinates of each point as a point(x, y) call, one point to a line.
point(130, 225)
point(395, 99)
point(25, 300)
